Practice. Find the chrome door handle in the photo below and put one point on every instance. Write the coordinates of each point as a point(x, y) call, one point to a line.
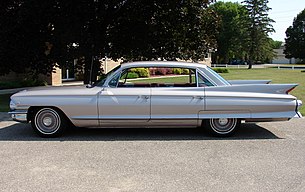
point(198, 97)
point(144, 96)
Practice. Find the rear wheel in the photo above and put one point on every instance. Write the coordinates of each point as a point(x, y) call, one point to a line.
point(48, 122)
point(221, 127)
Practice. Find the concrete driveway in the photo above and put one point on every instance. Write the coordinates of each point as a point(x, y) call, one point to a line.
point(262, 157)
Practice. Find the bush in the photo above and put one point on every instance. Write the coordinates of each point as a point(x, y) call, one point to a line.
point(301, 61)
point(185, 71)
point(177, 71)
point(142, 72)
point(23, 83)
point(221, 70)
point(162, 71)
point(102, 76)
point(303, 71)
point(132, 75)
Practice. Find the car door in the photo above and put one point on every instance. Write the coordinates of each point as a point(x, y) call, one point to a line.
point(123, 106)
point(177, 104)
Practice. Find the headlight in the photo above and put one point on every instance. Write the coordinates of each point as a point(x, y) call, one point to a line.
point(13, 105)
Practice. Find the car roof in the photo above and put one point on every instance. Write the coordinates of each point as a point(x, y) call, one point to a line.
point(162, 64)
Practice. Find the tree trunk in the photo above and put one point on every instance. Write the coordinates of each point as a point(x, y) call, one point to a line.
point(250, 64)
point(91, 70)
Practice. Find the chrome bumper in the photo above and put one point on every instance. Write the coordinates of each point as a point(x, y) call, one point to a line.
point(299, 104)
point(20, 116)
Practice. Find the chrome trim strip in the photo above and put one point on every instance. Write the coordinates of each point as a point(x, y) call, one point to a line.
point(266, 120)
point(19, 116)
point(17, 112)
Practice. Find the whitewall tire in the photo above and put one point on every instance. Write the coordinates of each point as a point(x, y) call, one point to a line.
point(48, 122)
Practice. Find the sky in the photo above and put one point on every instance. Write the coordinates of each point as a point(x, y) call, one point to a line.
point(283, 13)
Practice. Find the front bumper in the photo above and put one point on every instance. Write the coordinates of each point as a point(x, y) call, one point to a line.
point(20, 116)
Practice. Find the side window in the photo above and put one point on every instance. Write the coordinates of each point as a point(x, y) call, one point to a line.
point(133, 77)
point(114, 81)
point(203, 82)
point(173, 77)
point(156, 77)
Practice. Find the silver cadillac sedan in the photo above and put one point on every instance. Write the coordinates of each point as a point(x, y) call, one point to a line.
point(156, 94)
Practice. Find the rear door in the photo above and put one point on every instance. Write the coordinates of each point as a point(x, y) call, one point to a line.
point(122, 105)
point(177, 100)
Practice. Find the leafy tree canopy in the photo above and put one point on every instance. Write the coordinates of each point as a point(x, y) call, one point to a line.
point(243, 32)
point(36, 35)
point(260, 46)
point(276, 44)
point(295, 38)
point(232, 36)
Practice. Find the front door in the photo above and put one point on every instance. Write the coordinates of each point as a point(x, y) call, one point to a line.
point(124, 106)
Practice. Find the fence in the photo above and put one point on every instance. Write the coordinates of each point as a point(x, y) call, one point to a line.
point(278, 66)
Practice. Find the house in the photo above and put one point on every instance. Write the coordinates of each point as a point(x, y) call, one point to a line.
point(280, 56)
point(68, 73)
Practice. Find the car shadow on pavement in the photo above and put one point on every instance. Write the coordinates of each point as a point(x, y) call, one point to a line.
point(24, 132)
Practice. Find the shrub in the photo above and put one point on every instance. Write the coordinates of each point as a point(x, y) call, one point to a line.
point(185, 71)
point(152, 71)
point(142, 72)
point(177, 71)
point(221, 70)
point(169, 70)
point(102, 76)
point(303, 71)
point(23, 83)
point(161, 71)
point(132, 75)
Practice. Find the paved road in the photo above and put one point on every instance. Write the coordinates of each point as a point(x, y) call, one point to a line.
point(263, 157)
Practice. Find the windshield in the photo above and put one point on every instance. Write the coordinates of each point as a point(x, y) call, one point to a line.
point(102, 80)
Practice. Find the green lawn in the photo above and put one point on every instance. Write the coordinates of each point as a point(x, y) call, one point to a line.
point(276, 75)
point(4, 102)
point(175, 79)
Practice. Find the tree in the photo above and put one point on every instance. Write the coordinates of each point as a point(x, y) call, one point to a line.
point(295, 38)
point(37, 35)
point(22, 36)
point(276, 44)
point(260, 47)
point(166, 30)
point(232, 36)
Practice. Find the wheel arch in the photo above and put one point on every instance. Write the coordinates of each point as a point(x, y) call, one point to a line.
point(34, 109)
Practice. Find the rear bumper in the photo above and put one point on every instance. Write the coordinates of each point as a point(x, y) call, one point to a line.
point(299, 104)
point(20, 116)
point(298, 115)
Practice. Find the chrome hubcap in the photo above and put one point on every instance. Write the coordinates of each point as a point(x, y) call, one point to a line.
point(223, 125)
point(47, 121)
point(223, 121)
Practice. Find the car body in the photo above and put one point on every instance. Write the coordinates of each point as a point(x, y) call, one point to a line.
point(203, 98)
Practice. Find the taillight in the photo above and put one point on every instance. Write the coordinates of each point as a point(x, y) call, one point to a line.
point(290, 90)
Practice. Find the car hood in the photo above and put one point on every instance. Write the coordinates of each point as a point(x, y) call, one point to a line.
point(61, 90)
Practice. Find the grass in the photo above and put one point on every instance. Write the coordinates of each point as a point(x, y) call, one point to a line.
point(174, 79)
point(276, 75)
point(4, 102)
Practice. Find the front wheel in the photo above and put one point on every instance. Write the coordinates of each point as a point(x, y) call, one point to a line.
point(221, 127)
point(48, 122)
